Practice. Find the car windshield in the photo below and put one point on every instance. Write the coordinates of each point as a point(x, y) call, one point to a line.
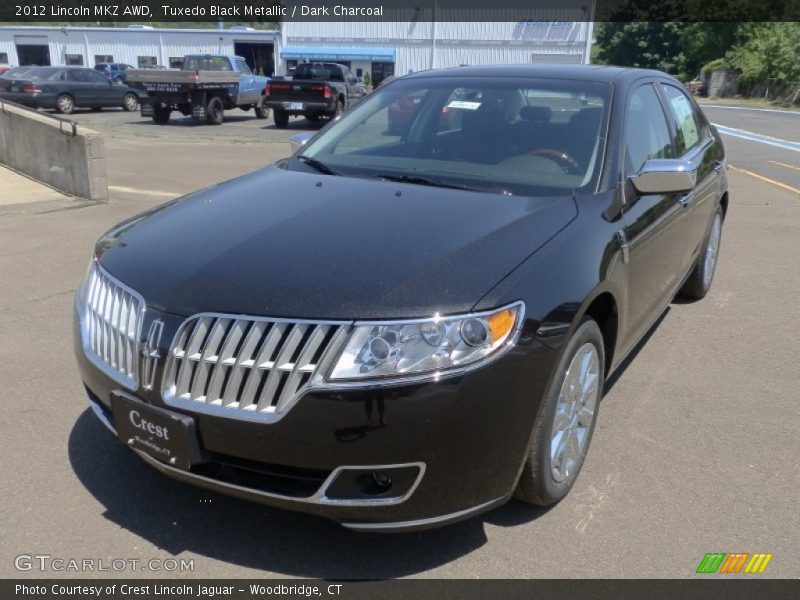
point(515, 136)
point(16, 72)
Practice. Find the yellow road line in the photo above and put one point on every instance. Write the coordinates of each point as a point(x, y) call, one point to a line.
point(775, 162)
point(766, 179)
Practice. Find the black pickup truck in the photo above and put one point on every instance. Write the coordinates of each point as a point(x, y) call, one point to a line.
point(316, 90)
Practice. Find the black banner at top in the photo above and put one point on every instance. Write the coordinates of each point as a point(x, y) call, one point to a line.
point(153, 12)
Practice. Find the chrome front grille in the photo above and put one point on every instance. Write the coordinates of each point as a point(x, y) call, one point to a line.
point(111, 321)
point(247, 367)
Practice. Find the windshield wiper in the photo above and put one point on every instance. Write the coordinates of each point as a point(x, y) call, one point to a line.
point(418, 180)
point(319, 166)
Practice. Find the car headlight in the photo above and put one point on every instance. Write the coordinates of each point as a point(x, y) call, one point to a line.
point(426, 348)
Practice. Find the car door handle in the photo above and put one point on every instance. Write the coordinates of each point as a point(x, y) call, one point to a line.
point(686, 199)
point(719, 165)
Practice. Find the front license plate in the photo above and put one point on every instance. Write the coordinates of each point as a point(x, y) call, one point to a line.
point(295, 106)
point(165, 435)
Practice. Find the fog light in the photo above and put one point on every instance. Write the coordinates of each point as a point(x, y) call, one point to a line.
point(383, 480)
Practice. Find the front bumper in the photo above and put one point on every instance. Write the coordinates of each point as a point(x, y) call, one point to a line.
point(470, 434)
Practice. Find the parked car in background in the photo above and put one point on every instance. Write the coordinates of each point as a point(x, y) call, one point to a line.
point(206, 86)
point(4, 69)
point(114, 72)
point(398, 333)
point(316, 90)
point(65, 89)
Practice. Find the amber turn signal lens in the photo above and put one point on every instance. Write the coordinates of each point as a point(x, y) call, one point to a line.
point(500, 324)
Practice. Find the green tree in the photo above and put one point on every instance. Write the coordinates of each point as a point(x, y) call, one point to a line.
point(767, 50)
point(650, 45)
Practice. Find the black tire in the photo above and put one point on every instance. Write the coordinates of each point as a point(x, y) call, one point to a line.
point(65, 104)
point(538, 484)
point(281, 118)
point(337, 111)
point(161, 114)
point(215, 111)
point(130, 103)
point(702, 275)
point(312, 118)
point(262, 112)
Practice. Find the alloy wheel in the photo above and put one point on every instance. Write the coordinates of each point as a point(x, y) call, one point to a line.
point(574, 416)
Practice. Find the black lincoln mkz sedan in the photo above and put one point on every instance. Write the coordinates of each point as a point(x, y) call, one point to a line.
point(402, 327)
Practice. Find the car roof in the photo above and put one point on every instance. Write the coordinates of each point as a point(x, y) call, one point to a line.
point(596, 73)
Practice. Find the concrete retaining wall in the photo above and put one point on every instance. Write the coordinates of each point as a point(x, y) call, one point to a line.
point(45, 149)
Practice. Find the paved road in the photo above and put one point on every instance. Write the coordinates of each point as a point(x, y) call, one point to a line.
point(765, 159)
point(695, 450)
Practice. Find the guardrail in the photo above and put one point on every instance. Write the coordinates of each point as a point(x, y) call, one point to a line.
point(61, 120)
point(53, 150)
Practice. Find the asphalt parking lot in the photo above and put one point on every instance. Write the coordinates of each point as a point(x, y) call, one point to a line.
point(696, 448)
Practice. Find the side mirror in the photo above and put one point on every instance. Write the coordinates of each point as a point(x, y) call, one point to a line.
point(665, 176)
point(299, 140)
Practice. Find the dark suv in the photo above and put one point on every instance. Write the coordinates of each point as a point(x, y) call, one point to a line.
point(114, 71)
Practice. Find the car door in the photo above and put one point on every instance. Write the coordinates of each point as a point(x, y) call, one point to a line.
point(79, 87)
point(105, 92)
point(249, 91)
point(694, 142)
point(654, 225)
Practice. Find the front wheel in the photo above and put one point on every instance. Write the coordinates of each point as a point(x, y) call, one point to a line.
point(699, 282)
point(563, 429)
point(281, 118)
point(130, 103)
point(215, 111)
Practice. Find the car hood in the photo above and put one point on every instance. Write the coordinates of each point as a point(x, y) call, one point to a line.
point(291, 244)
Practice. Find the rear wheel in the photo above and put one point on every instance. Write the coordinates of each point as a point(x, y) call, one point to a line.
point(65, 104)
point(262, 112)
point(161, 114)
point(281, 118)
point(338, 110)
point(130, 103)
point(563, 430)
point(699, 281)
point(215, 111)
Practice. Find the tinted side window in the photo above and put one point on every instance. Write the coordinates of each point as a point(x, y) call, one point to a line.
point(687, 130)
point(76, 76)
point(646, 132)
point(95, 77)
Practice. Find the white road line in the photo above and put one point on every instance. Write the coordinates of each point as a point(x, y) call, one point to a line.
point(128, 190)
point(757, 137)
point(771, 110)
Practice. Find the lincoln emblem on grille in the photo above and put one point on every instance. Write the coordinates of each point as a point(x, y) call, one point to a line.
point(151, 354)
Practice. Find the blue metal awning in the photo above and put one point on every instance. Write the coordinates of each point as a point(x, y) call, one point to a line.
point(334, 54)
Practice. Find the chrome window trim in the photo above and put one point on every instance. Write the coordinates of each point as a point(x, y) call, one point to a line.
point(131, 384)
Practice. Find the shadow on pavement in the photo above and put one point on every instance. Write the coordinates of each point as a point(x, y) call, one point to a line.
point(180, 518)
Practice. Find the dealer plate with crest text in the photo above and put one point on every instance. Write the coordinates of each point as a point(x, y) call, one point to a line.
point(165, 435)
